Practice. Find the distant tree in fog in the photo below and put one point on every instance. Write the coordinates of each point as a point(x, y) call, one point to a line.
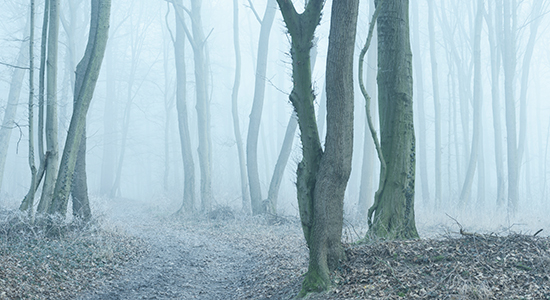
point(188, 204)
point(257, 107)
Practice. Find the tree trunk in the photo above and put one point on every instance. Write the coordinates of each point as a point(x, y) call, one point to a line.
point(108, 161)
point(509, 63)
point(335, 165)
point(51, 110)
point(188, 205)
point(87, 72)
point(536, 18)
point(13, 102)
point(395, 206)
point(198, 41)
point(494, 31)
point(478, 101)
point(79, 188)
point(282, 160)
point(28, 201)
point(235, 111)
point(437, 105)
point(257, 107)
point(367, 168)
point(421, 119)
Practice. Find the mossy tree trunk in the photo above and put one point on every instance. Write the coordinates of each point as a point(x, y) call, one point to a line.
point(87, 73)
point(394, 207)
point(322, 176)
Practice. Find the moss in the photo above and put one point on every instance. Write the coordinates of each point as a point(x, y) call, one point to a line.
point(314, 283)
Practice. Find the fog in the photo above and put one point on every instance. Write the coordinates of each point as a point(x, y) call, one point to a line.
point(132, 124)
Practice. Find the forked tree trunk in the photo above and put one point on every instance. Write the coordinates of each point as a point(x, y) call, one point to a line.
point(87, 72)
point(51, 110)
point(322, 177)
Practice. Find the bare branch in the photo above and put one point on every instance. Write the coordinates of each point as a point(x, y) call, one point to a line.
point(251, 6)
point(13, 66)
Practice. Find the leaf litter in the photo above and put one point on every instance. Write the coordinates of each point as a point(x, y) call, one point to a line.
point(230, 256)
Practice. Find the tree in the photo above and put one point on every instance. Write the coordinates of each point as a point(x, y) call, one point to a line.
point(28, 202)
point(437, 104)
point(367, 168)
point(509, 64)
point(478, 100)
point(257, 107)
point(393, 208)
point(322, 175)
point(52, 155)
point(13, 102)
point(188, 204)
point(494, 28)
point(87, 72)
point(419, 96)
point(198, 40)
point(235, 110)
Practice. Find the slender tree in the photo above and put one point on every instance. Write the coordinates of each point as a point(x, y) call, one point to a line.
point(13, 102)
point(51, 109)
point(28, 202)
point(494, 21)
point(478, 100)
point(257, 107)
point(188, 204)
point(419, 97)
point(235, 110)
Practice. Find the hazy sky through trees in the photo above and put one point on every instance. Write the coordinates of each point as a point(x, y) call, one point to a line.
point(138, 88)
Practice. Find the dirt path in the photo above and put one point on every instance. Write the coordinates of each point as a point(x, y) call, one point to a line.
point(231, 259)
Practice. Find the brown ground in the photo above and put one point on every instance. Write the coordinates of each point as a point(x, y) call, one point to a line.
point(227, 256)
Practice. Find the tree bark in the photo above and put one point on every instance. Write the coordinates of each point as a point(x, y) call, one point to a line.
point(87, 72)
point(257, 107)
point(394, 209)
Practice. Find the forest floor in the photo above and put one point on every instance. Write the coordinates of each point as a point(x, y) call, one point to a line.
point(136, 252)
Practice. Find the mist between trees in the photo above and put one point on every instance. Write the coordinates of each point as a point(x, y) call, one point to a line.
point(256, 105)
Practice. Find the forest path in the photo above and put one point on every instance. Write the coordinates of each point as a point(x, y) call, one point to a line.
point(205, 259)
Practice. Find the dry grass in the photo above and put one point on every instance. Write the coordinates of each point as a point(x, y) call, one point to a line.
point(37, 264)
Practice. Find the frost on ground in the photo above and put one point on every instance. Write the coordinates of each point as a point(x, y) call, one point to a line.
point(141, 253)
